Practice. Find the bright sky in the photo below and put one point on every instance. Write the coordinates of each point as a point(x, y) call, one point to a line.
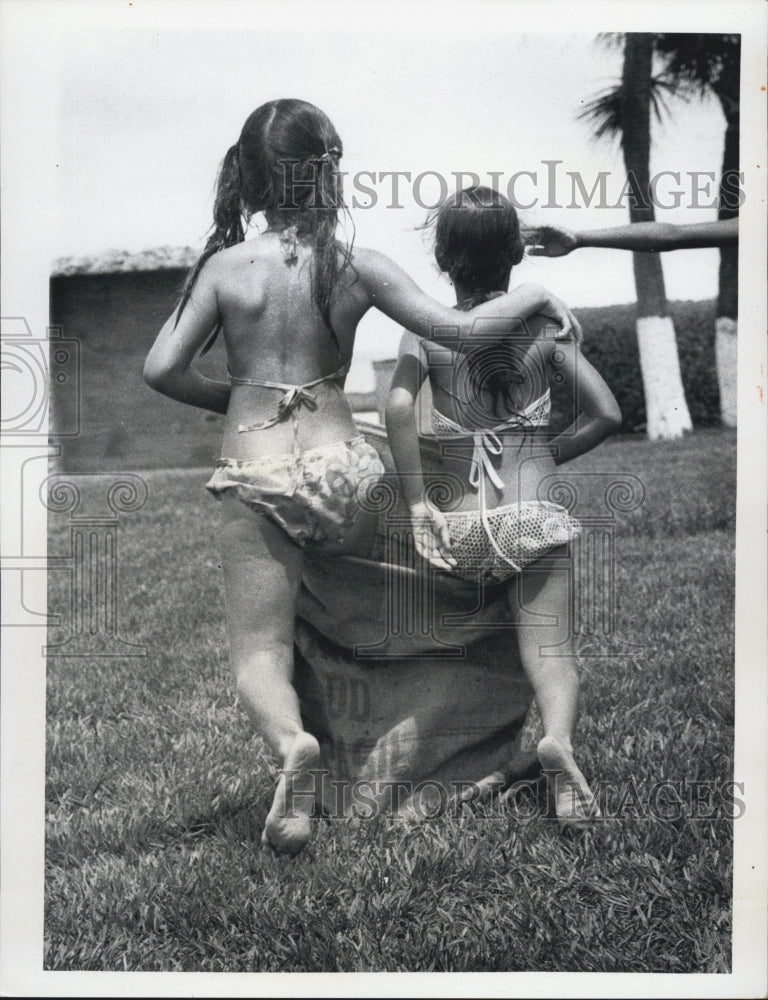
point(148, 96)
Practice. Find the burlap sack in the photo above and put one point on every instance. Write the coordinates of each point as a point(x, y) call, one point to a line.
point(410, 678)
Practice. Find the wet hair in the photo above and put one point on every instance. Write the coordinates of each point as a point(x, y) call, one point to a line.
point(477, 243)
point(477, 238)
point(284, 164)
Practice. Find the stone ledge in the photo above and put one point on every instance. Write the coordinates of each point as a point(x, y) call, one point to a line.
point(120, 261)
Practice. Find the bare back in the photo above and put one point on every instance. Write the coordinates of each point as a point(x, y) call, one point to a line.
point(274, 331)
point(485, 391)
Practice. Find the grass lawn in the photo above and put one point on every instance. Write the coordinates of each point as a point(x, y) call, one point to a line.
point(157, 791)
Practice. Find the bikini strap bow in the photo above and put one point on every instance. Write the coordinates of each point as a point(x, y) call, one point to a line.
point(486, 444)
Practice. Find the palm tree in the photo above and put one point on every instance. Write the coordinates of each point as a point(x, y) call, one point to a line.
point(703, 65)
point(625, 111)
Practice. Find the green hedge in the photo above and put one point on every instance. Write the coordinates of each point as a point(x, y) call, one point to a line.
point(610, 343)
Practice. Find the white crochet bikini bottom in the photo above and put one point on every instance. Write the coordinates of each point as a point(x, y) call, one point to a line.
point(499, 544)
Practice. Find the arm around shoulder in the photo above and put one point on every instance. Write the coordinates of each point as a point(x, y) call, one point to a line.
point(392, 291)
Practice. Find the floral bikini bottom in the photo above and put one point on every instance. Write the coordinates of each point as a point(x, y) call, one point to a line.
point(313, 495)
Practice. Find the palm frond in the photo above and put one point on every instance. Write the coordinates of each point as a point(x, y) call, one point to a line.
point(603, 113)
point(662, 89)
point(611, 39)
point(703, 63)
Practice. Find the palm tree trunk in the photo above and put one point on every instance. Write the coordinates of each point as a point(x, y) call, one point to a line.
point(666, 407)
point(728, 293)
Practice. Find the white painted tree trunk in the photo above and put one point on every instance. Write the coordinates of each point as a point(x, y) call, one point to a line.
point(725, 359)
point(665, 404)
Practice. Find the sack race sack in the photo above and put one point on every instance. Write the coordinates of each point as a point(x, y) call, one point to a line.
point(410, 678)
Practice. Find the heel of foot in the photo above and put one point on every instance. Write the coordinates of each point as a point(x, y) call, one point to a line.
point(574, 801)
point(287, 828)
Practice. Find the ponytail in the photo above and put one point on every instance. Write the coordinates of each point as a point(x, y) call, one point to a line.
point(227, 227)
point(285, 163)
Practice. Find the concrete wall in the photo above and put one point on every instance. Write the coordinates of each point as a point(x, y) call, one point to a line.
point(123, 423)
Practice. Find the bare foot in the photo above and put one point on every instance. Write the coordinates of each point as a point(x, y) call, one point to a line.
point(575, 804)
point(287, 827)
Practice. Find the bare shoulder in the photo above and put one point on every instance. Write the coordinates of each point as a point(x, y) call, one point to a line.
point(372, 264)
point(247, 252)
point(228, 268)
point(220, 263)
point(366, 257)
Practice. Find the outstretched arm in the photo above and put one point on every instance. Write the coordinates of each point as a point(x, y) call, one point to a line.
point(650, 237)
point(392, 291)
point(168, 367)
point(598, 412)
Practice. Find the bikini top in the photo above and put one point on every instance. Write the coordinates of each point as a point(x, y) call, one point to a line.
point(486, 442)
point(294, 397)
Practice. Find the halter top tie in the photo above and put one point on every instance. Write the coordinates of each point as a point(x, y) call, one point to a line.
point(294, 397)
point(486, 443)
